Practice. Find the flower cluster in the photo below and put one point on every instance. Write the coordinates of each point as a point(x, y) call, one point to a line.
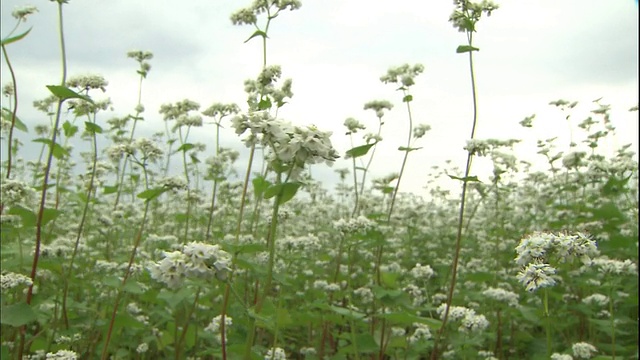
point(22, 12)
point(468, 13)
point(249, 15)
point(290, 144)
point(62, 355)
point(404, 74)
point(536, 275)
point(424, 272)
point(470, 321)
point(193, 260)
point(11, 280)
point(540, 246)
point(275, 354)
point(583, 350)
point(358, 225)
point(88, 82)
point(14, 192)
point(501, 295)
point(214, 326)
point(421, 332)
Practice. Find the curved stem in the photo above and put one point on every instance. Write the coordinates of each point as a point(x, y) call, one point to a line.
point(456, 257)
point(45, 181)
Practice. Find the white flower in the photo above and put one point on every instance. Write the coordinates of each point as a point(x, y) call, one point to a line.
point(142, 348)
point(62, 355)
point(422, 332)
point(583, 350)
point(11, 280)
point(556, 356)
point(424, 272)
point(596, 299)
point(275, 354)
point(214, 326)
point(533, 247)
point(535, 276)
point(498, 294)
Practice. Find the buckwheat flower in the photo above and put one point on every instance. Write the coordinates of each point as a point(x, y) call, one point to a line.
point(214, 326)
point(583, 350)
point(579, 246)
point(420, 130)
point(422, 272)
point(477, 147)
point(142, 348)
point(403, 74)
point(15, 192)
point(62, 355)
point(421, 332)
point(353, 125)
point(11, 280)
point(22, 12)
point(149, 149)
point(308, 351)
point(557, 356)
point(244, 16)
point(171, 270)
point(596, 299)
point(275, 354)
point(88, 82)
point(378, 106)
point(455, 312)
point(502, 295)
point(537, 275)
point(473, 322)
point(365, 294)
point(139, 55)
point(615, 267)
point(398, 331)
point(533, 247)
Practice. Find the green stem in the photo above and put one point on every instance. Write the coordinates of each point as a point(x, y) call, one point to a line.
point(548, 322)
point(45, 180)
point(467, 171)
point(613, 325)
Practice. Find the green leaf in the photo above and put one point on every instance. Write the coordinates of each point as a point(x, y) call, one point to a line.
point(264, 104)
point(286, 191)
point(92, 128)
point(109, 189)
point(348, 313)
point(259, 185)
point(49, 214)
point(28, 217)
point(58, 151)
point(289, 190)
point(407, 98)
point(359, 151)
point(272, 191)
point(64, 93)
point(8, 41)
point(151, 194)
point(466, 48)
point(69, 129)
point(465, 179)
point(408, 149)
point(185, 147)
point(257, 33)
point(8, 116)
point(133, 287)
point(17, 314)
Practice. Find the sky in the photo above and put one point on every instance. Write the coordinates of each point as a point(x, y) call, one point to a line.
point(531, 52)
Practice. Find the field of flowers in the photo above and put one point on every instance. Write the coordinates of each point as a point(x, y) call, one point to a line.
point(107, 254)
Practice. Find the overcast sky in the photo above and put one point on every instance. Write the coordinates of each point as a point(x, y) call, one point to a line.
point(531, 52)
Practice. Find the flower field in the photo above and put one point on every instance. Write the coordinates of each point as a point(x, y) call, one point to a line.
point(117, 245)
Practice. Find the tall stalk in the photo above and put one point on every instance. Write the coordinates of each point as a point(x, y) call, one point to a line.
point(45, 180)
point(464, 19)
